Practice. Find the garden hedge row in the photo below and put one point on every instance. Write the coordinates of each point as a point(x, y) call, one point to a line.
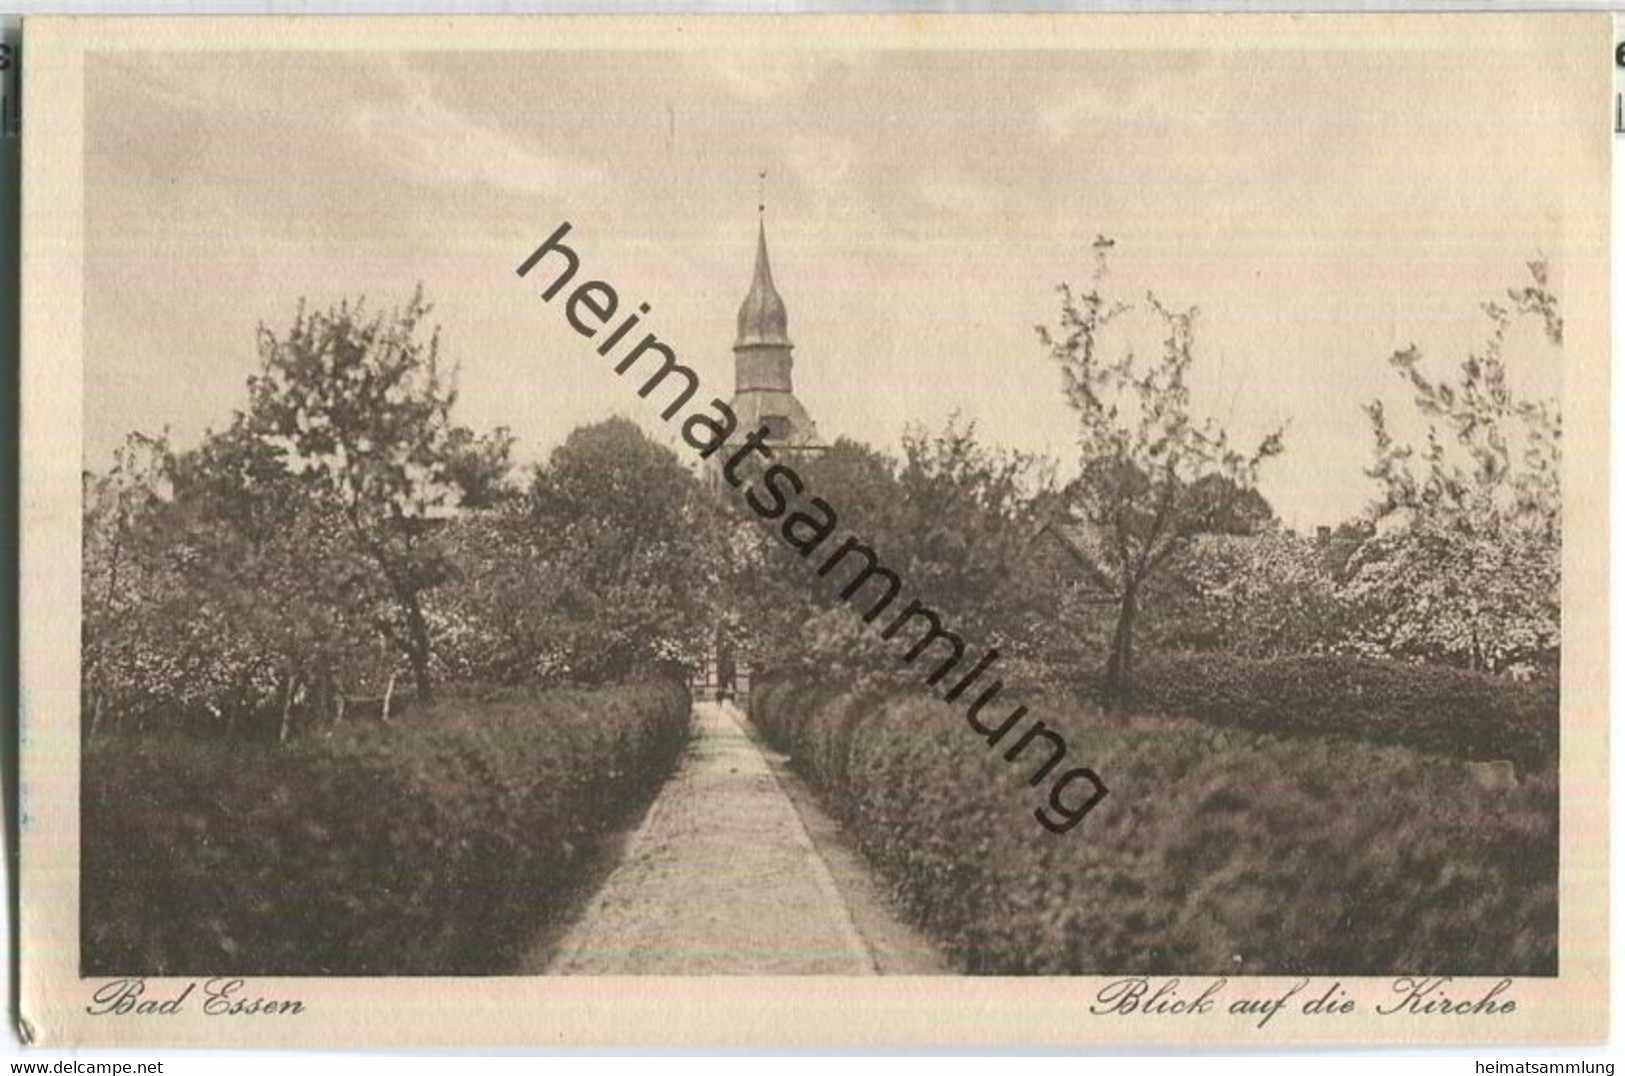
point(435, 845)
point(1428, 707)
point(1218, 851)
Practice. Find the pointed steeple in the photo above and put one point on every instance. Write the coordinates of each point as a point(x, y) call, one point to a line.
point(764, 392)
point(763, 321)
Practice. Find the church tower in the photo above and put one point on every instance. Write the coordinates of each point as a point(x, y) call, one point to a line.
point(763, 393)
point(764, 396)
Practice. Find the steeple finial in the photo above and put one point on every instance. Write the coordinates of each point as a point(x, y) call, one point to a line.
point(761, 193)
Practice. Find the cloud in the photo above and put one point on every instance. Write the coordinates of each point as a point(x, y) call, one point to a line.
point(383, 110)
point(1181, 97)
point(960, 195)
point(822, 164)
point(421, 139)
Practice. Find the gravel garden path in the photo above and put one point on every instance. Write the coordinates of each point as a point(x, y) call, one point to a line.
point(735, 869)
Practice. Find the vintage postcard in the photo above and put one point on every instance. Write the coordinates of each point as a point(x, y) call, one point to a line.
point(782, 531)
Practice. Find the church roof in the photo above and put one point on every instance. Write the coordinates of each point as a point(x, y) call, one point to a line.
point(762, 317)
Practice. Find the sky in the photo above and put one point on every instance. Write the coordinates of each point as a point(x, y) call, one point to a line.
point(1321, 207)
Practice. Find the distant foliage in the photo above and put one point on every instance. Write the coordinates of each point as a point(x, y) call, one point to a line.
point(971, 510)
point(125, 662)
point(296, 602)
point(1219, 852)
point(794, 619)
point(1269, 594)
point(1445, 593)
point(952, 516)
point(500, 619)
point(1466, 565)
point(607, 566)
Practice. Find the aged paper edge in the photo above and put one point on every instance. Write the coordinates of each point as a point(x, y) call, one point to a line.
point(783, 1011)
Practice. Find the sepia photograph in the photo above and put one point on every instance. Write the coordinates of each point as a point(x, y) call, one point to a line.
point(1111, 504)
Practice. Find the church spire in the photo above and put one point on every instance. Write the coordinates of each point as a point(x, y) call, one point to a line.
point(764, 396)
point(763, 321)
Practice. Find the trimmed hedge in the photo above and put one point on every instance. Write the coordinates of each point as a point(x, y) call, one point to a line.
point(1427, 707)
point(437, 845)
point(1217, 851)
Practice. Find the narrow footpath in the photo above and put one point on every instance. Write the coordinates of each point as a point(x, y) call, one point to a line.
point(736, 870)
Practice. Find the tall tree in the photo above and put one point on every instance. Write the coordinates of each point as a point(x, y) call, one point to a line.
point(641, 546)
point(951, 516)
point(1464, 567)
point(359, 408)
point(118, 583)
point(1153, 477)
point(1490, 459)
